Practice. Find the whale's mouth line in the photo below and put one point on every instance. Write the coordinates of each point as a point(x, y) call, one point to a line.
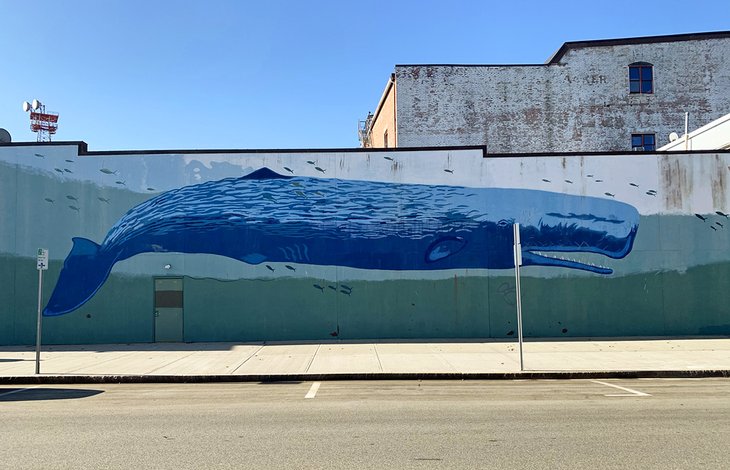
point(550, 258)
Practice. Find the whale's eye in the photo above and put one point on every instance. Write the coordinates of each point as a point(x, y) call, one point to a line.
point(506, 222)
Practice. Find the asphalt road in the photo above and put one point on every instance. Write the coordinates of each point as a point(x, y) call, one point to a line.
point(652, 423)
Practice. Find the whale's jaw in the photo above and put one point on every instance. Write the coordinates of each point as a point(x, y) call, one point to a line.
point(548, 246)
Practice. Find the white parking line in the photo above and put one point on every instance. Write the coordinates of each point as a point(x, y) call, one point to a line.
point(313, 390)
point(17, 391)
point(632, 393)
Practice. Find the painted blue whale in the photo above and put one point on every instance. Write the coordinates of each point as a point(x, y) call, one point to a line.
point(265, 216)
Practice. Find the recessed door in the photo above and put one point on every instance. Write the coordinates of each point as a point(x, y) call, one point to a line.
point(169, 309)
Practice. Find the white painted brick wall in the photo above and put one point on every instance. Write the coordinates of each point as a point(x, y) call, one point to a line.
point(581, 104)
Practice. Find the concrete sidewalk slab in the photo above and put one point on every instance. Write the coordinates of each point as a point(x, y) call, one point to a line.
point(283, 358)
point(367, 359)
point(345, 358)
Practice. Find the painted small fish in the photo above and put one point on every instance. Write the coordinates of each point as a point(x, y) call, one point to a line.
point(650, 193)
point(346, 292)
point(67, 170)
point(107, 171)
point(317, 286)
point(150, 189)
point(449, 171)
point(48, 199)
point(713, 228)
point(310, 162)
point(121, 183)
point(288, 169)
point(345, 286)
point(702, 218)
point(568, 181)
point(58, 170)
point(74, 208)
point(319, 169)
point(333, 288)
point(73, 198)
point(39, 155)
point(634, 185)
point(296, 183)
point(269, 268)
point(69, 161)
point(103, 199)
point(389, 158)
point(609, 194)
point(589, 176)
point(721, 214)
point(546, 180)
point(718, 223)
point(290, 268)
point(599, 181)
point(300, 194)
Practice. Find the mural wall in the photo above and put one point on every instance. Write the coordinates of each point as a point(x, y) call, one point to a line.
point(206, 246)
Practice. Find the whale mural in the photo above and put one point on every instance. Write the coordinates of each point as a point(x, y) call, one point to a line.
point(266, 216)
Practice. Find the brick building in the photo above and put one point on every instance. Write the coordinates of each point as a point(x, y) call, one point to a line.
point(604, 95)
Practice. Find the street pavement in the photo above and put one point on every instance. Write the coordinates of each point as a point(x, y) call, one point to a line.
point(607, 424)
point(333, 360)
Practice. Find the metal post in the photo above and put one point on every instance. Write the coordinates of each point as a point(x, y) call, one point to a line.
point(38, 327)
point(518, 262)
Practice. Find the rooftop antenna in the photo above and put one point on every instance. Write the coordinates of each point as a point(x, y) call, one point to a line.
point(42, 123)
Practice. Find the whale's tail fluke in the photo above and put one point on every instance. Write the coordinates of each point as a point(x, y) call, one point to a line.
point(84, 271)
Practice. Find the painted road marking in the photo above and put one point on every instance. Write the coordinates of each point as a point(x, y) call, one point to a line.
point(17, 391)
point(312, 391)
point(632, 393)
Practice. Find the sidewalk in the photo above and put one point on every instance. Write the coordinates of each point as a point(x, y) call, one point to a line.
point(336, 360)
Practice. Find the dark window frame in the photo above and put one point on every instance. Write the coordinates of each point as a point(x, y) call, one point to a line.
point(641, 78)
point(643, 142)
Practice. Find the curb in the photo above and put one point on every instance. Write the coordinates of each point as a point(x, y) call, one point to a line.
point(526, 375)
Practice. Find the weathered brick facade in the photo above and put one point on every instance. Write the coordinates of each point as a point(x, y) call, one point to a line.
point(578, 101)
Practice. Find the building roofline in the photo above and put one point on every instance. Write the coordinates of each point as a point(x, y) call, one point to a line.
point(384, 96)
point(83, 150)
point(470, 65)
point(555, 58)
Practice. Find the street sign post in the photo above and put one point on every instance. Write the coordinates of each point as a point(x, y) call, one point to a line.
point(518, 263)
point(41, 265)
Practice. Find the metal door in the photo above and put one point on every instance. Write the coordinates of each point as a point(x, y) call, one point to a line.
point(169, 309)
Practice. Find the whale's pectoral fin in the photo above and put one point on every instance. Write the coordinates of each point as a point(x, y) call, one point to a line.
point(84, 271)
point(444, 247)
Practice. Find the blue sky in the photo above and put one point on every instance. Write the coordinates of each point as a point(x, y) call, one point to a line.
point(274, 74)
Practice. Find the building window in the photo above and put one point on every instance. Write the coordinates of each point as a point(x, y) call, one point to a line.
point(385, 139)
point(643, 142)
point(641, 78)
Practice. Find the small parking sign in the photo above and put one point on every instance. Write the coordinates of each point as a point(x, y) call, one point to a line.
point(42, 259)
